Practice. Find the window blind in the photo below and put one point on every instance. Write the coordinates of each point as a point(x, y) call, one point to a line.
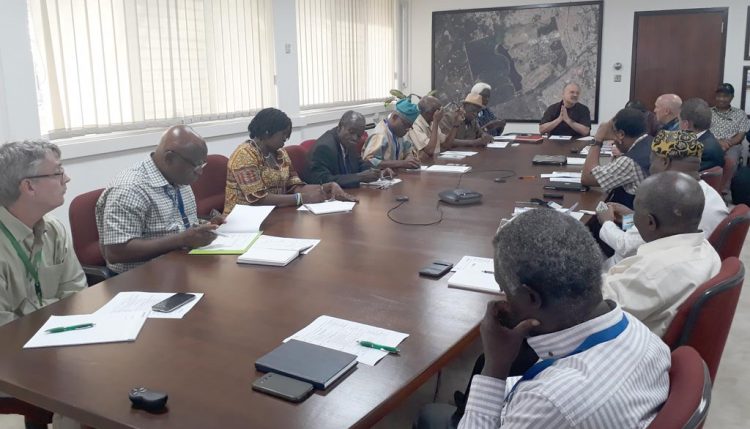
point(346, 51)
point(108, 65)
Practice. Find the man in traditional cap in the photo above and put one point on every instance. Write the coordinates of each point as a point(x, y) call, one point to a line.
point(568, 117)
point(487, 120)
point(676, 257)
point(388, 146)
point(670, 151)
point(468, 131)
point(426, 134)
point(729, 125)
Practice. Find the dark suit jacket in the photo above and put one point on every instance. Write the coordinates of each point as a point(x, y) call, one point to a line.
point(713, 154)
point(326, 163)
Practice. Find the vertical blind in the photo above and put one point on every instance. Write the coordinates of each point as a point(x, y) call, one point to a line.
point(107, 65)
point(346, 51)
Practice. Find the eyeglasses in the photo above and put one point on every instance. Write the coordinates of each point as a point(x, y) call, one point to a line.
point(60, 174)
point(196, 167)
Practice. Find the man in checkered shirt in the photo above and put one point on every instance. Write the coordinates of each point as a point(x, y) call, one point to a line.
point(149, 209)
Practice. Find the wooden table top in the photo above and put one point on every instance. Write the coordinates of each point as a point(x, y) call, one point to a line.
point(365, 270)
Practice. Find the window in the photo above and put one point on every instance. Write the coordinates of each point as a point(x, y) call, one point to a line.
point(346, 50)
point(107, 65)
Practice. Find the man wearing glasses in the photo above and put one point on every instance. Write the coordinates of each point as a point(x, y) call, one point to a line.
point(149, 209)
point(37, 262)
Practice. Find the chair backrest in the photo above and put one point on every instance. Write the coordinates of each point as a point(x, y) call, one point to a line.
point(308, 144)
point(713, 176)
point(361, 142)
point(729, 235)
point(689, 393)
point(82, 217)
point(703, 320)
point(298, 155)
point(210, 187)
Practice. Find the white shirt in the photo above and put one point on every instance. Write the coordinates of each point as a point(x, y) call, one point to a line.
point(618, 384)
point(652, 284)
point(625, 243)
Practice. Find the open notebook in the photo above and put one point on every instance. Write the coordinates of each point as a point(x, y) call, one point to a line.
point(276, 251)
point(239, 231)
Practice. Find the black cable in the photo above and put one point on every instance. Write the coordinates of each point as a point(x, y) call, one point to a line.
point(437, 207)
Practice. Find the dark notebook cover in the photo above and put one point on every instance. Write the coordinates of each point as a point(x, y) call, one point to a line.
point(317, 365)
point(529, 138)
point(549, 160)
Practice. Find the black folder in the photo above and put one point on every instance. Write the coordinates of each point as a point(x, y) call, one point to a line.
point(317, 365)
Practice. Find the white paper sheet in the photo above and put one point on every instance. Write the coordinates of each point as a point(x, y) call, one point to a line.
point(571, 174)
point(244, 218)
point(575, 214)
point(474, 263)
point(381, 183)
point(108, 328)
point(586, 139)
point(125, 302)
point(476, 280)
point(505, 137)
point(228, 242)
point(559, 137)
point(498, 145)
point(342, 335)
point(328, 207)
point(449, 168)
point(462, 153)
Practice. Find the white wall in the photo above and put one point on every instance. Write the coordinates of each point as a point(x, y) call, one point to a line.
point(617, 42)
point(92, 161)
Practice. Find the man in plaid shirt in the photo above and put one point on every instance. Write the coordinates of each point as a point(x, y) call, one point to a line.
point(149, 209)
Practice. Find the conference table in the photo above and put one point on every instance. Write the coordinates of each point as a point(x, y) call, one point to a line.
point(365, 269)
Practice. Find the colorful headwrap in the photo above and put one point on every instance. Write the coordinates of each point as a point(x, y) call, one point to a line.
point(677, 144)
point(407, 109)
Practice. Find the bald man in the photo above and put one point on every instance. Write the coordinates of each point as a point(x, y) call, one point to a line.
point(426, 133)
point(149, 209)
point(568, 117)
point(667, 109)
point(676, 258)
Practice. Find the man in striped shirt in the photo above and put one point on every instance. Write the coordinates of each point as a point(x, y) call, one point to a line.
point(584, 362)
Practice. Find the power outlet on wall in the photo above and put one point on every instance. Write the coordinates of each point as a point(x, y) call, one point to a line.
point(618, 78)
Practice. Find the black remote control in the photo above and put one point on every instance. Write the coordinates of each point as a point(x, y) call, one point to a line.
point(149, 400)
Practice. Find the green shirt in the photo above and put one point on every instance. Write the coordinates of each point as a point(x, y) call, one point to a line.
point(60, 273)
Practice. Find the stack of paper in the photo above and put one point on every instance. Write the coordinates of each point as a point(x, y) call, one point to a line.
point(236, 235)
point(276, 251)
point(456, 154)
point(108, 328)
point(559, 137)
point(586, 139)
point(506, 137)
point(449, 168)
point(328, 207)
point(342, 335)
point(125, 302)
point(498, 145)
point(475, 273)
point(571, 160)
point(606, 150)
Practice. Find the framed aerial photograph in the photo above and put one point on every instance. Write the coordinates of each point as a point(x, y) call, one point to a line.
point(747, 35)
point(526, 54)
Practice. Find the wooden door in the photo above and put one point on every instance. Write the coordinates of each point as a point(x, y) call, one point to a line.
point(678, 51)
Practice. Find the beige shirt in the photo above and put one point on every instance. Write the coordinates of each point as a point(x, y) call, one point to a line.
point(652, 284)
point(60, 273)
point(420, 133)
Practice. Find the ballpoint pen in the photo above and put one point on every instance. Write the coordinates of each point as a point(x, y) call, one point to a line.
point(69, 328)
point(372, 345)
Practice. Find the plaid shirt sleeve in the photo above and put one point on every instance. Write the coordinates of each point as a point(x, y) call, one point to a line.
point(620, 172)
point(124, 215)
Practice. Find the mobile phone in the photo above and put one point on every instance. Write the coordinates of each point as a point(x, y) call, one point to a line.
point(436, 269)
point(283, 387)
point(173, 302)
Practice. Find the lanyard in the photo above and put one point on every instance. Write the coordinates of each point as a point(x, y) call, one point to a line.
point(395, 142)
point(180, 205)
point(591, 341)
point(31, 267)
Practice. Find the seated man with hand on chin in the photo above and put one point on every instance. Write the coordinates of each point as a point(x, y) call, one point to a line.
point(583, 359)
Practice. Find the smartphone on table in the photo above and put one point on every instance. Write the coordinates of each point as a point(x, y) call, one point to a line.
point(173, 302)
point(283, 387)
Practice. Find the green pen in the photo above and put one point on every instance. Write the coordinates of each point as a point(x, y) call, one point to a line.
point(69, 328)
point(372, 345)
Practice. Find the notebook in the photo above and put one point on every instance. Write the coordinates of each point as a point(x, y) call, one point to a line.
point(239, 231)
point(477, 280)
point(328, 207)
point(529, 138)
point(314, 364)
point(276, 251)
point(549, 160)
